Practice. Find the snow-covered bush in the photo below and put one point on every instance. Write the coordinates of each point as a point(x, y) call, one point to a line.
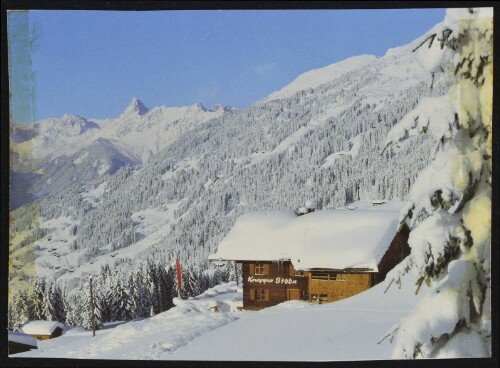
point(449, 206)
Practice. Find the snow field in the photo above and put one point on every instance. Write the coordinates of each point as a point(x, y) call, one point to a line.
point(350, 329)
point(289, 331)
point(151, 338)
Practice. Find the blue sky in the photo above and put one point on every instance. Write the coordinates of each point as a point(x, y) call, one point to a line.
point(92, 63)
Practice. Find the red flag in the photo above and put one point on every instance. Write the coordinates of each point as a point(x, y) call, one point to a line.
point(179, 273)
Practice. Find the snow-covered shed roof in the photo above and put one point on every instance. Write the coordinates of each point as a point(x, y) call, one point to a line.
point(22, 338)
point(41, 327)
point(332, 239)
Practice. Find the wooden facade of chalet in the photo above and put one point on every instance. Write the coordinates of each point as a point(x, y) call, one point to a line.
point(267, 283)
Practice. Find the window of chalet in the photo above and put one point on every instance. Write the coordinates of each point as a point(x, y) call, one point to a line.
point(259, 269)
point(259, 295)
point(330, 276)
point(319, 298)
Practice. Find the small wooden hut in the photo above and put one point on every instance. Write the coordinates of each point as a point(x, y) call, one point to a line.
point(43, 330)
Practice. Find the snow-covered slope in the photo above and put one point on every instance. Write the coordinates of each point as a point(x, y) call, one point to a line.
point(151, 338)
point(289, 331)
point(350, 329)
point(317, 77)
point(353, 148)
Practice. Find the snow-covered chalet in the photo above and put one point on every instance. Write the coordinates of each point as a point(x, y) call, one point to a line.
point(43, 330)
point(320, 257)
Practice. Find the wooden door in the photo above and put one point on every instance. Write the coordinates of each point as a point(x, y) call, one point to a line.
point(293, 294)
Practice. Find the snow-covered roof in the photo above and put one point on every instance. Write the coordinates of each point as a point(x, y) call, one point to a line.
point(22, 338)
point(333, 239)
point(41, 327)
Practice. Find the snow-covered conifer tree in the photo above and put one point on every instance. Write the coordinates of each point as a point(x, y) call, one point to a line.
point(58, 303)
point(135, 304)
point(68, 308)
point(10, 317)
point(104, 288)
point(172, 276)
point(143, 305)
point(151, 287)
point(52, 303)
point(49, 312)
point(83, 317)
point(37, 292)
point(85, 302)
point(122, 304)
point(165, 287)
point(189, 284)
point(20, 309)
point(449, 206)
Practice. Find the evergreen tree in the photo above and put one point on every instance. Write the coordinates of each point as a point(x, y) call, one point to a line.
point(11, 318)
point(122, 304)
point(449, 205)
point(135, 303)
point(49, 308)
point(53, 305)
point(37, 294)
point(166, 284)
point(15, 320)
point(103, 292)
point(221, 275)
point(83, 313)
point(84, 303)
point(144, 305)
point(143, 301)
point(21, 306)
point(172, 276)
point(190, 286)
point(68, 308)
point(150, 287)
point(76, 311)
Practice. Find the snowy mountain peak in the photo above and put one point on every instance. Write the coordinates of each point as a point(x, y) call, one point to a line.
point(68, 125)
point(71, 119)
point(224, 108)
point(199, 106)
point(136, 107)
